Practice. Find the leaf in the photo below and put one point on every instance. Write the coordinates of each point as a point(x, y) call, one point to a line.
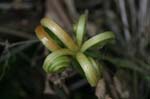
point(57, 60)
point(98, 39)
point(88, 69)
point(80, 29)
point(60, 33)
point(47, 40)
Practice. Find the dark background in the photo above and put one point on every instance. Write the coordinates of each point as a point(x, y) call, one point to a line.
point(126, 70)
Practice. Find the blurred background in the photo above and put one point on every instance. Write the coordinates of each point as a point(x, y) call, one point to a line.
point(126, 70)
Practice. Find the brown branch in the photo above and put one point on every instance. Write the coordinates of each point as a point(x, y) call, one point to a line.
point(8, 31)
point(121, 4)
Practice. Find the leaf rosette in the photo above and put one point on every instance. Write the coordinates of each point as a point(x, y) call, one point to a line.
point(64, 49)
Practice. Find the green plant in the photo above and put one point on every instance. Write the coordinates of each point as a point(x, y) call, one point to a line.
point(64, 49)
